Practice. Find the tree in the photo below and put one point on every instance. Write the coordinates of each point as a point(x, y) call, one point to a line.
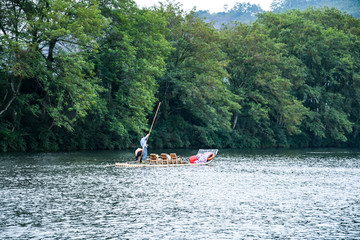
point(46, 78)
point(264, 78)
point(322, 40)
point(197, 103)
point(132, 54)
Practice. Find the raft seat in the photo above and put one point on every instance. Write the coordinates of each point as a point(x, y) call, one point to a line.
point(165, 158)
point(175, 159)
point(154, 158)
point(172, 158)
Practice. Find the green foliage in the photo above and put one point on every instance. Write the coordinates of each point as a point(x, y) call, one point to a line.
point(131, 56)
point(77, 75)
point(46, 73)
point(258, 71)
point(326, 50)
point(193, 90)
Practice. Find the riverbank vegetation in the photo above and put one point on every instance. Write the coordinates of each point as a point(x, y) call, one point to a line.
point(87, 75)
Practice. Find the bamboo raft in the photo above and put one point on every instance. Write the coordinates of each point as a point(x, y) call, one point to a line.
point(164, 160)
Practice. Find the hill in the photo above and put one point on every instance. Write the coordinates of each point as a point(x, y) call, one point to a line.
point(246, 12)
point(241, 12)
point(350, 6)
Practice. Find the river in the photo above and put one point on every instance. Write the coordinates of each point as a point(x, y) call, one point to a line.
point(258, 194)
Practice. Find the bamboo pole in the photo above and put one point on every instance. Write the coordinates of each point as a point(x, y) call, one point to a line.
point(149, 132)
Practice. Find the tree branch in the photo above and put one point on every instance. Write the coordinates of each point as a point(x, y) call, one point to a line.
point(15, 94)
point(3, 29)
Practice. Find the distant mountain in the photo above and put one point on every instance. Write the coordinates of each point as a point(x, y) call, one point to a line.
point(241, 12)
point(350, 6)
point(246, 12)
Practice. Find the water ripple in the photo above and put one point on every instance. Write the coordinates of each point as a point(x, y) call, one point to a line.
point(311, 195)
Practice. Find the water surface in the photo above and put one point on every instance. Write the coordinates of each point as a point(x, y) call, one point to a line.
point(307, 194)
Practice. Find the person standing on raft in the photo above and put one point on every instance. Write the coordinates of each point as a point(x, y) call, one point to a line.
point(144, 147)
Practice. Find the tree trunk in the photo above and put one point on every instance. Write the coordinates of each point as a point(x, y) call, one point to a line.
point(15, 94)
point(235, 121)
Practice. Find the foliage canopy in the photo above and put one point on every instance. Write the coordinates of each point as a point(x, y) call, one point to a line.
point(88, 75)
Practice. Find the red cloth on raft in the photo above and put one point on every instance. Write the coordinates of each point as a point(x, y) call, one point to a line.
point(200, 158)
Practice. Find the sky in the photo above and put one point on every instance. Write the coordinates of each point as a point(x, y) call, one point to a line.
point(211, 5)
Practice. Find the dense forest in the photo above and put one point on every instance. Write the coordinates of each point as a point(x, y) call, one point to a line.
point(87, 75)
point(246, 12)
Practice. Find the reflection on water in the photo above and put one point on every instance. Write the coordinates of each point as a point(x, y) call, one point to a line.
point(242, 195)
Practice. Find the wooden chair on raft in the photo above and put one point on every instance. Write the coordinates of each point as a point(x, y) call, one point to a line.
point(165, 158)
point(154, 159)
point(175, 159)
